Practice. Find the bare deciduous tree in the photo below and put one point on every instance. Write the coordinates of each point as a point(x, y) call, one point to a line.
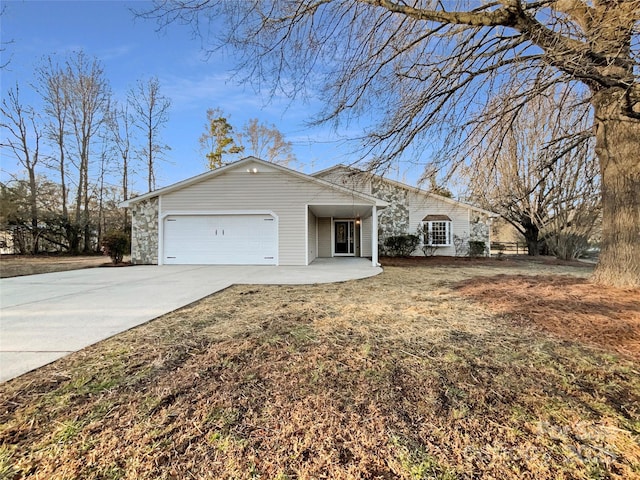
point(151, 113)
point(23, 140)
point(539, 175)
point(266, 142)
point(426, 68)
point(88, 96)
point(119, 124)
point(52, 86)
point(575, 213)
point(76, 99)
point(4, 61)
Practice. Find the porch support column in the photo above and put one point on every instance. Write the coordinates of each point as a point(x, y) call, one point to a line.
point(374, 236)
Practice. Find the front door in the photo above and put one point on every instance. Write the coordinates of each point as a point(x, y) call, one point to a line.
point(344, 240)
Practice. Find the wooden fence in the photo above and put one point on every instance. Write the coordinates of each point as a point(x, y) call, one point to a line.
point(513, 248)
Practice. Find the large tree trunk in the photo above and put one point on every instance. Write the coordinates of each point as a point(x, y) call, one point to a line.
point(618, 150)
point(531, 236)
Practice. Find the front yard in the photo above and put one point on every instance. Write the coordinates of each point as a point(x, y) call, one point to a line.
point(489, 370)
point(18, 265)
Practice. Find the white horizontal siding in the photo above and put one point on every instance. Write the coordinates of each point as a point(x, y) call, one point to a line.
point(366, 237)
point(422, 205)
point(267, 190)
point(324, 237)
point(312, 236)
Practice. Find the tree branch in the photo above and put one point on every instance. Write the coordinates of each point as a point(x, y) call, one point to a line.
point(500, 17)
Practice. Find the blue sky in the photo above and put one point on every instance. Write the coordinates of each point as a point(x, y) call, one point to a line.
point(130, 49)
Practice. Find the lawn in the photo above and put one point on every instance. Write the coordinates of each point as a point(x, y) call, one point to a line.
point(495, 369)
point(18, 265)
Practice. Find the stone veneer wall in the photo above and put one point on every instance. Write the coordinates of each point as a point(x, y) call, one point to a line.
point(144, 232)
point(480, 232)
point(393, 220)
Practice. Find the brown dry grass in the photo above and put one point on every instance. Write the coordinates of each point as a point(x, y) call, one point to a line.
point(569, 307)
point(395, 376)
point(19, 265)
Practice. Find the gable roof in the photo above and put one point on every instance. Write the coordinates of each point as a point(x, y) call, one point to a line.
point(231, 166)
point(451, 201)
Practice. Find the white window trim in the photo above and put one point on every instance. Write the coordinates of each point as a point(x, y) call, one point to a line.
point(429, 229)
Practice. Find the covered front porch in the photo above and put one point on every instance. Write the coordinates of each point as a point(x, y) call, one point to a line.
point(342, 231)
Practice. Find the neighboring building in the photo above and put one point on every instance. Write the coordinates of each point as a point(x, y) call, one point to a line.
point(257, 213)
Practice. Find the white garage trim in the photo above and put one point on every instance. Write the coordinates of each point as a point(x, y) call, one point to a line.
point(238, 213)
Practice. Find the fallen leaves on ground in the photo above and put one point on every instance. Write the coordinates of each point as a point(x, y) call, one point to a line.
point(569, 307)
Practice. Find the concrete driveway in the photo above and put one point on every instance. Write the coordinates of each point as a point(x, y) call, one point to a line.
point(45, 317)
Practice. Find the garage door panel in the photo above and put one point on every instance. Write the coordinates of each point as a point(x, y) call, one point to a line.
point(220, 239)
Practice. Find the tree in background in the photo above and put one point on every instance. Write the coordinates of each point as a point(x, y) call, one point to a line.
point(218, 138)
point(540, 176)
point(15, 216)
point(425, 69)
point(266, 142)
point(100, 187)
point(88, 99)
point(74, 114)
point(4, 63)
point(576, 213)
point(86, 131)
point(120, 126)
point(435, 187)
point(150, 111)
point(52, 87)
point(23, 139)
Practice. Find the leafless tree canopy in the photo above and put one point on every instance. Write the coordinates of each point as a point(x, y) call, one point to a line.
point(76, 96)
point(88, 140)
point(266, 142)
point(427, 69)
point(119, 126)
point(421, 66)
point(150, 110)
point(542, 180)
point(23, 135)
point(5, 59)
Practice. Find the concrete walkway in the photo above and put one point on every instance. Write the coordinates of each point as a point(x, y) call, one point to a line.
point(45, 317)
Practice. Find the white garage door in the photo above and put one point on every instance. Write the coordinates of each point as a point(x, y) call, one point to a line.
point(220, 240)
